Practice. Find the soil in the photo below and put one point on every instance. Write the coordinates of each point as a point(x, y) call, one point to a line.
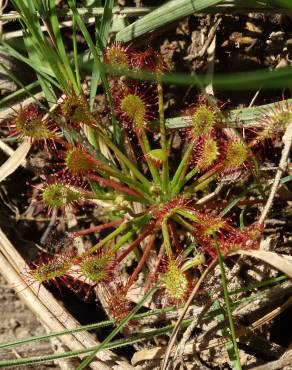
point(18, 322)
point(244, 42)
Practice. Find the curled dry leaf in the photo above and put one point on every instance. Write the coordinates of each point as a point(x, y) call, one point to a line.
point(280, 262)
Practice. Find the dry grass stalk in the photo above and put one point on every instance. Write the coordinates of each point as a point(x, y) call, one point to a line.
point(15, 160)
point(199, 346)
point(287, 140)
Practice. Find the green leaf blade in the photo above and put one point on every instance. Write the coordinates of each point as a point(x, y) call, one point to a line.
point(165, 14)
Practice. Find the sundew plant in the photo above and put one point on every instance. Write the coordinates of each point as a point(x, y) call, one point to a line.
point(158, 203)
point(161, 223)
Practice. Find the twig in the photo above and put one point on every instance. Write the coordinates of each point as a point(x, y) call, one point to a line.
point(210, 196)
point(51, 224)
point(9, 151)
point(210, 38)
point(210, 66)
point(287, 140)
point(254, 98)
point(15, 160)
point(211, 48)
point(207, 43)
point(16, 107)
point(274, 365)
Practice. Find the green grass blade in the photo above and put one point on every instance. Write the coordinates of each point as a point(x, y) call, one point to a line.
point(242, 116)
point(38, 42)
point(221, 318)
point(106, 21)
point(55, 334)
point(18, 94)
point(235, 356)
point(39, 67)
point(97, 60)
point(102, 324)
point(44, 83)
point(89, 42)
point(75, 54)
point(165, 14)
point(261, 284)
point(117, 329)
point(102, 37)
point(60, 45)
point(19, 83)
point(111, 345)
point(39, 359)
point(283, 3)
point(252, 80)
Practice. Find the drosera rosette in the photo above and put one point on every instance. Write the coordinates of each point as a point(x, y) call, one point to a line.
point(148, 60)
point(207, 222)
point(136, 106)
point(117, 304)
point(206, 153)
point(117, 56)
point(29, 123)
point(79, 162)
point(272, 123)
point(233, 240)
point(175, 283)
point(63, 193)
point(74, 111)
point(88, 271)
point(50, 269)
point(235, 160)
point(202, 118)
point(157, 208)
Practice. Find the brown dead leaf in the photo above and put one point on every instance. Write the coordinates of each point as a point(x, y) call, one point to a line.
point(280, 262)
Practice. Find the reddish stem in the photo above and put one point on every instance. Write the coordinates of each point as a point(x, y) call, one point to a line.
point(94, 229)
point(115, 185)
point(142, 261)
point(60, 141)
point(135, 243)
point(174, 236)
point(152, 276)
